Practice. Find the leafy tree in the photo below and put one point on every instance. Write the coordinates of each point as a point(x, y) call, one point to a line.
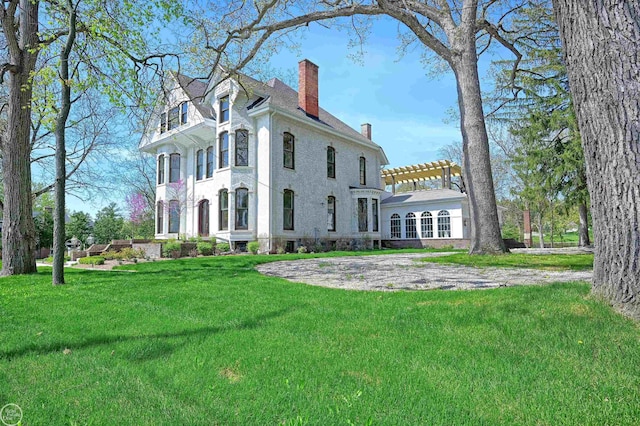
point(457, 31)
point(547, 157)
point(108, 225)
point(601, 41)
point(79, 226)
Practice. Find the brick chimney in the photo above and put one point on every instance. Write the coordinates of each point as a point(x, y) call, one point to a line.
point(366, 130)
point(308, 87)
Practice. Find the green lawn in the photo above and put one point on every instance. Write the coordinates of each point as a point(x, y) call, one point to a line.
point(576, 262)
point(210, 341)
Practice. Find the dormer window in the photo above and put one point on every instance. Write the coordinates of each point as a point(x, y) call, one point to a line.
point(163, 122)
point(184, 112)
point(173, 118)
point(224, 109)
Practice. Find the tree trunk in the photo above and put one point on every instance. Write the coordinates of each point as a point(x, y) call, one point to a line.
point(18, 231)
point(601, 40)
point(583, 226)
point(485, 230)
point(61, 152)
point(540, 231)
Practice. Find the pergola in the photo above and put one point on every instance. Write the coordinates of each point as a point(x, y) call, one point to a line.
point(441, 169)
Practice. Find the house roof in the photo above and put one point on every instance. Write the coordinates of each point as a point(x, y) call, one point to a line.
point(274, 93)
point(196, 91)
point(424, 196)
point(278, 94)
point(420, 172)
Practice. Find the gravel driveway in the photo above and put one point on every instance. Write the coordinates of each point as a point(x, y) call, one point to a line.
point(405, 272)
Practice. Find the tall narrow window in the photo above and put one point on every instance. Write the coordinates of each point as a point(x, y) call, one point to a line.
point(163, 122)
point(396, 226)
point(224, 109)
point(184, 112)
point(426, 225)
point(242, 208)
point(173, 118)
point(160, 169)
point(444, 224)
point(288, 210)
point(174, 217)
point(210, 163)
point(199, 164)
point(242, 147)
point(331, 213)
point(363, 215)
point(203, 218)
point(223, 215)
point(363, 171)
point(160, 218)
point(374, 215)
point(223, 150)
point(174, 168)
point(410, 225)
point(331, 162)
point(288, 148)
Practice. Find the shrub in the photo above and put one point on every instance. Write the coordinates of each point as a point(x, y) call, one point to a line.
point(129, 253)
point(91, 260)
point(302, 249)
point(111, 255)
point(171, 249)
point(204, 248)
point(253, 247)
point(223, 247)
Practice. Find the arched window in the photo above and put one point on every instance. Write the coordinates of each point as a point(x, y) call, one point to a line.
point(242, 147)
point(426, 225)
point(444, 224)
point(223, 210)
point(174, 217)
point(210, 162)
point(331, 213)
point(288, 149)
point(199, 164)
point(363, 171)
point(396, 226)
point(160, 169)
point(287, 210)
point(242, 208)
point(203, 218)
point(331, 162)
point(410, 225)
point(160, 217)
point(174, 168)
point(223, 150)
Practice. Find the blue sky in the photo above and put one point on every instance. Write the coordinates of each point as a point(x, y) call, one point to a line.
point(408, 107)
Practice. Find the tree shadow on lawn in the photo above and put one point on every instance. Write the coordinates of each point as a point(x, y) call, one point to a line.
point(158, 348)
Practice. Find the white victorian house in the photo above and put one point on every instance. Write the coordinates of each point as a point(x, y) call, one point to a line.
point(240, 160)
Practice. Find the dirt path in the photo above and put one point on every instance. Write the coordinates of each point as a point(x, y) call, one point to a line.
point(405, 272)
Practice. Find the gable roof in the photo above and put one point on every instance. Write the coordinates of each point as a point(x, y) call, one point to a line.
point(196, 90)
point(280, 95)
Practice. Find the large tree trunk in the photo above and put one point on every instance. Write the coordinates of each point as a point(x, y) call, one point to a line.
point(485, 230)
point(583, 226)
point(601, 40)
point(18, 231)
